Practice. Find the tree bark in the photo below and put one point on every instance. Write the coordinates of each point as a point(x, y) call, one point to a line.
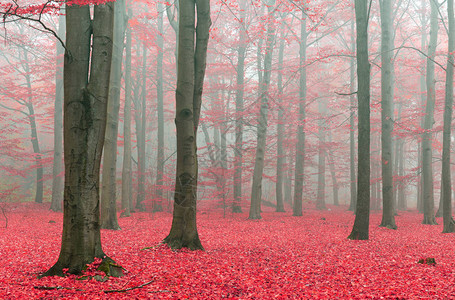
point(360, 229)
point(109, 178)
point(85, 105)
point(388, 218)
point(192, 55)
point(331, 159)
point(57, 167)
point(256, 189)
point(300, 149)
point(427, 156)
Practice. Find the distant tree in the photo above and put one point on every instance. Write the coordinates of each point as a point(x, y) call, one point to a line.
point(427, 151)
point(360, 229)
point(388, 218)
point(192, 54)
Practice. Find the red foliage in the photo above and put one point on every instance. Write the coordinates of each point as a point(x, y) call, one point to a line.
point(278, 257)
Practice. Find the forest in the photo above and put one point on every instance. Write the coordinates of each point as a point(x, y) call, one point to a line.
point(241, 149)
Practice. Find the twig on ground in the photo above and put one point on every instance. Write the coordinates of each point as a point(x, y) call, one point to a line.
point(129, 289)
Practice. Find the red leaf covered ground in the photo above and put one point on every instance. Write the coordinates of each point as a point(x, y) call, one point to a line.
point(279, 256)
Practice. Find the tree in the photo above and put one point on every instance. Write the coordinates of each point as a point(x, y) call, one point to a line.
point(427, 152)
point(300, 149)
point(449, 225)
point(360, 229)
point(192, 54)
point(352, 181)
point(388, 218)
point(57, 167)
point(322, 128)
point(127, 197)
point(85, 105)
point(109, 180)
point(256, 188)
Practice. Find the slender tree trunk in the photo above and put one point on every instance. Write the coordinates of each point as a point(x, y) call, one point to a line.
point(256, 189)
point(238, 156)
point(322, 105)
point(388, 218)
point(300, 150)
point(427, 156)
point(33, 132)
point(109, 178)
point(353, 183)
point(160, 98)
point(141, 145)
point(331, 160)
point(127, 190)
point(360, 230)
point(280, 128)
point(402, 205)
point(85, 105)
point(446, 182)
point(192, 55)
point(57, 167)
point(423, 92)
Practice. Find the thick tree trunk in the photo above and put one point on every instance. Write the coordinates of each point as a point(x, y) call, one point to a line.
point(360, 230)
point(388, 218)
point(109, 178)
point(427, 157)
point(447, 191)
point(85, 106)
point(127, 197)
point(300, 149)
point(240, 77)
point(192, 55)
point(256, 189)
point(57, 167)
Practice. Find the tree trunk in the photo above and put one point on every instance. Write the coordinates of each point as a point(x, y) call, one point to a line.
point(256, 189)
point(57, 167)
point(192, 55)
point(127, 190)
point(238, 156)
point(445, 177)
point(353, 183)
point(33, 132)
point(331, 159)
point(300, 149)
point(85, 105)
point(109, 178)
point(157, 205)
point(388, 218)
point(280, 127)
point(427, 156)
point(402, 205)
point(322, 105)
point(360, 229)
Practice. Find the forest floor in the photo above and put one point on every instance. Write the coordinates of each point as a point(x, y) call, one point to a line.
point(280, 256)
